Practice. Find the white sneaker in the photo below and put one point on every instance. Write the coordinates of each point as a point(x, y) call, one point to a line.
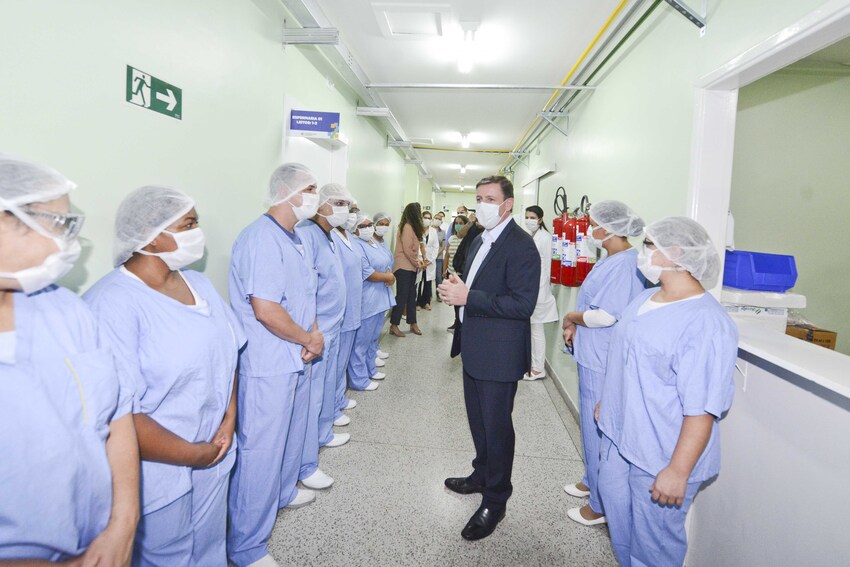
point(379, 376)
point(265, 561)
point(318, 480)
point(341, 421)
point(382, 354)
point(530, 376)
point(338, 440)
point(351, 404)
point(574, 490)
point(379, 362)
point(305, 496)
point(574, 514)
point(372, 386)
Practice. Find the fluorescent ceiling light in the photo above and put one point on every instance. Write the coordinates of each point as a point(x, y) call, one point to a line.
point(462, 169)
point(464, 141)
point(374, 111)
point(310, 36)
point(466, 50)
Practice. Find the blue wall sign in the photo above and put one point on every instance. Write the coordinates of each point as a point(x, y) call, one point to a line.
point(312, 124)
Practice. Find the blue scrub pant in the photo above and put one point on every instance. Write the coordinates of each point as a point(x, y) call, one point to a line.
point(643, 533)
point(589, 392)
point(346, 344)
point(372, 355)
point(209, 512)
point(365, 344)
point(320, 416)
point(271, 426)
point(164, 537)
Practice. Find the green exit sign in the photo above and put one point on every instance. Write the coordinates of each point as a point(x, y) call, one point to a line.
point(145, 90)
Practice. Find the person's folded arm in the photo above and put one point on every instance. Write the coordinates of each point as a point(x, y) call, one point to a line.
point(410, 245)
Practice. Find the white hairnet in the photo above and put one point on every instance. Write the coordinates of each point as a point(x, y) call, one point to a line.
point(617, 218)
point(381, 216)
point(23, 182)
point(142, 215)
point(287, 180)
point(333, 192)
point(686, 243)
point(361, 217)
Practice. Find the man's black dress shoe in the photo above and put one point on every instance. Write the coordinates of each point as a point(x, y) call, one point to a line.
point(462, 485)
point(482, 523)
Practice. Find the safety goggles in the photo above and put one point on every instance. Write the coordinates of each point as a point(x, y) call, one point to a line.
point(66, 226)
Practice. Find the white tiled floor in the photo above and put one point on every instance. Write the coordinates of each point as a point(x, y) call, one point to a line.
point(389, 506)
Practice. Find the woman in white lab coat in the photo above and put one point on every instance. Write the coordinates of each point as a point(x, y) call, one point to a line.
point(432, 249)
point(546, 310)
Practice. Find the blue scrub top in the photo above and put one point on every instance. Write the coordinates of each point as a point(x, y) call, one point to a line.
point(56, 403)
point(356, 268)
point(377, 296)
point(611, 285)
point(670, 362)
point(268, 262)
point(181, 360)
point(330, 298)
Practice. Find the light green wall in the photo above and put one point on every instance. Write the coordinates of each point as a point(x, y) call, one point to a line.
point(791, 184)
point(451, 200)
point(62, 103)
point(630, 139)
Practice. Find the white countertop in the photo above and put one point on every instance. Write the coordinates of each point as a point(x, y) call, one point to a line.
point(822, 366)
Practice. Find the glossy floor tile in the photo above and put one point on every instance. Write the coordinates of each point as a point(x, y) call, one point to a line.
point(389, 506)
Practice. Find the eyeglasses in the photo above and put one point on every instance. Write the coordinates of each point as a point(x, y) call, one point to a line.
point(66, 226)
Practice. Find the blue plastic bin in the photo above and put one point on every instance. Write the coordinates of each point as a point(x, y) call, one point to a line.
point(759, 271)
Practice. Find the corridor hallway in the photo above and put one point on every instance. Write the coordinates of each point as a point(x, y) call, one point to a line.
point(388, 505)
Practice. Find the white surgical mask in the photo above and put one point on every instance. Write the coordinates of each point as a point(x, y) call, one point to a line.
point(190, 249)
point(592, 240)
point(339, 216)
point(532, 225)
point(382, 230)
point(651, 272)
point(366, 233)
point(53, 268)
point(308, 208)
point(351, 222)
point(488, 215)
point(426, 222)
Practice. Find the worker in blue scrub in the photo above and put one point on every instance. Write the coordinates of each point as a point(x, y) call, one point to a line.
point(70, 461)
point(383, 222)
point(668, 382)
point(334, 201)
point(178, 341)
point(377, 299)
point(612, 284)
point(273, 287)
point(362, 372)
point(356, 268)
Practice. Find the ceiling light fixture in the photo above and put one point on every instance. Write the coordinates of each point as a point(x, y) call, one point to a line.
point(467, 46)
point(463, 170)
point(464, 141)
point(379, 111)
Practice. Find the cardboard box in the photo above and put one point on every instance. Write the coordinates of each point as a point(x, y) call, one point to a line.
point(813, 334)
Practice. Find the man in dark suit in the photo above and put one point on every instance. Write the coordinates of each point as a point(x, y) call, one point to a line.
point(494, 340)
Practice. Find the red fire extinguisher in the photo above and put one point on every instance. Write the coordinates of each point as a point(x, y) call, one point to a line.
point(558, 234)
point(585, 258)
